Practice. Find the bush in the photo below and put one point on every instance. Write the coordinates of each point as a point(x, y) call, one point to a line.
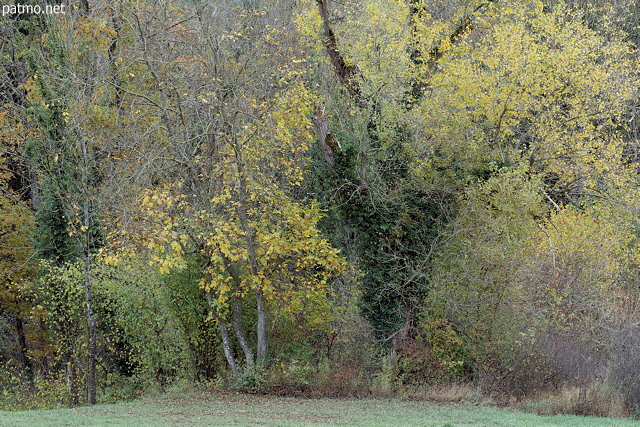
point(624, 375)
point(343, 379)
point(414, 365)
point(289, 378)
point(542, 361)
point(295, 378)
point(18, 393)
point(116, 388)
point(447, 346)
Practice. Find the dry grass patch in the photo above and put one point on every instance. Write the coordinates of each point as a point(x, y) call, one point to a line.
point(596, 400)
point(453, 393)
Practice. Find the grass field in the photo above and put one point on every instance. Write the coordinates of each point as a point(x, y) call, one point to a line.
point(207, 409)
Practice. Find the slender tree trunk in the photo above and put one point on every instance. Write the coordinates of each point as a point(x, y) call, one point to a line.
point(22, 349)
point(91, 322)
point(262, 346)
point(238, 326)
point(226, 341)
point(262, 326)
point(115, 77)
point(88, 287)
point(228, 352)
point(349, 75)
point(72, 386)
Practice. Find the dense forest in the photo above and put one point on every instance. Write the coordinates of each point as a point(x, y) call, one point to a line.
point(322, 198)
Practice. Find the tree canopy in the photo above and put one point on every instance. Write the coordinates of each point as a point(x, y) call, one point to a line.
point(273, 194)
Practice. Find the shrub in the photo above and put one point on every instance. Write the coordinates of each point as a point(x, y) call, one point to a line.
point(18, 393)
point(344, 379)
point(624, 374)
point(289, 378)
point(414, 365)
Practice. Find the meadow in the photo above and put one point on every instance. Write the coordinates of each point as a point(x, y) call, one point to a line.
point(228, 409)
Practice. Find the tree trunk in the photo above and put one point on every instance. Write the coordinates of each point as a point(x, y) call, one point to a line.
point(115, 77)
point(262, 327)
point(260, 305)
point(238, 327)
point(72, 386)
point(328, 141)
point(22, 349)
point(237, 313)
point(88, 288)
point(243, 208)
point(224, 332)
point(349, 75)
point(91, 322)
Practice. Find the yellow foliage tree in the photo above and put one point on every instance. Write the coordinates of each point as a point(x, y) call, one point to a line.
point(253, 237)
point(535, 85)
point(228, 125)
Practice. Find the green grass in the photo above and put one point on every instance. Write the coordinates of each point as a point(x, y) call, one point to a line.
point(206, 409)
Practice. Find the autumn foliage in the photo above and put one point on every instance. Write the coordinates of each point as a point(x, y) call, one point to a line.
point(320, 198)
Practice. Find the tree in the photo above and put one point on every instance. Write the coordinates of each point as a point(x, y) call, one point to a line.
point(229, 126)
point(283, 260)
point(523, 91)
point(65, 81)
point(395, 219)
